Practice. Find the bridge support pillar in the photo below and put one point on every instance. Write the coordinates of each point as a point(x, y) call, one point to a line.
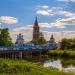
point(30, 54)
point(27, 55)
point(20, 55)
point(40, 54)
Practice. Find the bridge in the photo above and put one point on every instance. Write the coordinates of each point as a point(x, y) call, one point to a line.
point(25, 51)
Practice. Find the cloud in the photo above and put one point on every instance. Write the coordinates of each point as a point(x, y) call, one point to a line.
point(60, 35)
point(65, 13)
point(44, 12)
point(8, 20)
point(60, 11)
point(66, 0)
point(54, 11)
point(68, 21)
point(56, 24)
point(43, 6)
point(59, 23)
point(45, 25)
point(26, 31)
point(47, 35)
point(68, 34)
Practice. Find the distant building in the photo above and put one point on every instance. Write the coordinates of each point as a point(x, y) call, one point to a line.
point(19, 40)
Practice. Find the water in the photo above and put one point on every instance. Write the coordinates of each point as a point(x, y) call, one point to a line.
point(67, 65)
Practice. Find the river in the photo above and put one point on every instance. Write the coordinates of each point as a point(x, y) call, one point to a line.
point(66, 65)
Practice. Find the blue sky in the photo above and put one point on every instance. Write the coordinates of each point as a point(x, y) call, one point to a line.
point(54, 16)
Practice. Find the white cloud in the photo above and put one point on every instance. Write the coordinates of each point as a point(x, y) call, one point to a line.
point(65, 13)
point(62, 12)
point(59, 23)
point(44, 12)
point(26, 31)
point(45, 25)
point(68, 21)
point(66, 0)
point(43, 6)
point(8, 20)
point(56, 24)
point(54, 11)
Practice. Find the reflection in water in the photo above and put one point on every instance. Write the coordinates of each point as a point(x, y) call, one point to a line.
point(69, 69)
point(57, 64)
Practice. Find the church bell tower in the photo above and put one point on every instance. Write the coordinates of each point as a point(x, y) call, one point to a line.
point(52, 40)
point(35, 31)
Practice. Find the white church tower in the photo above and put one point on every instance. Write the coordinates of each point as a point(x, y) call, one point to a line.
point(19, 40)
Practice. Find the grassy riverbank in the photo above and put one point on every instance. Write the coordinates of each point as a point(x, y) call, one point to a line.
point(62, 53)
point(22, 67)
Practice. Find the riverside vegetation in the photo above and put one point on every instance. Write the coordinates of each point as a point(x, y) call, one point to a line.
point(23, 67)
point(62, 53)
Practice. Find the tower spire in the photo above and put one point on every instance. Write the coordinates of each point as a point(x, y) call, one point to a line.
point(35, 31)
point(52, 37)
point(52, 40)
point(36, 21)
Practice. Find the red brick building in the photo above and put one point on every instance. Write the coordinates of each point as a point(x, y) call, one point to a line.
point(35, 32)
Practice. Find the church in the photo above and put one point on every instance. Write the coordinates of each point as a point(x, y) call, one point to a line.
point(38, 38)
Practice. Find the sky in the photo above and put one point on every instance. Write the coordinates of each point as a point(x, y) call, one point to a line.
point(55, 17)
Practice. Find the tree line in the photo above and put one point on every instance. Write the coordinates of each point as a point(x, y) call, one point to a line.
point(67, 44)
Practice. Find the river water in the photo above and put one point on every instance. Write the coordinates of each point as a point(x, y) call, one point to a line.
point(66, 65)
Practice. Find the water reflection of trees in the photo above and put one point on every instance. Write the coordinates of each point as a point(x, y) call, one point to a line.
point(67, 62)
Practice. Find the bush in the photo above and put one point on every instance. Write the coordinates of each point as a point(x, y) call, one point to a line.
point(22, 67)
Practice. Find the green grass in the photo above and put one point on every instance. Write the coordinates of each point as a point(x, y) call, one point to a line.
point(62, 53)
point(22, 67)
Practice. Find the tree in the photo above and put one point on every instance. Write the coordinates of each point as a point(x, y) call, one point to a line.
point(65, 44)
point(6, 37)
point(68, 43)
point(41, 39)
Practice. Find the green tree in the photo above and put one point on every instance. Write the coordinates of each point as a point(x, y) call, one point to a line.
point(41, 39)
point(66, 43)
point(6, 37)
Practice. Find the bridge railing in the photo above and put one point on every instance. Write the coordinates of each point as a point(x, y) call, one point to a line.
point(28, 47)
